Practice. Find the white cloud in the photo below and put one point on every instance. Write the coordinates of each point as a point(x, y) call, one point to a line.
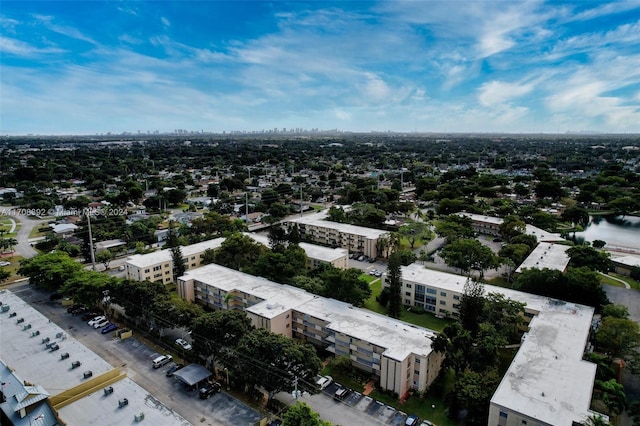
point(499, 92)
point(165, 22)
point(48, 22)
point(20, 48)
point(343, 115)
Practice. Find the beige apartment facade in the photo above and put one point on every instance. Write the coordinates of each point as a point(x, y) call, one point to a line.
point(397, 354)
point(548, 382)
point(158, 266)
point(356, 239)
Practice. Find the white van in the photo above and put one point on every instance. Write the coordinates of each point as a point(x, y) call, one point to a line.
point(161, 360)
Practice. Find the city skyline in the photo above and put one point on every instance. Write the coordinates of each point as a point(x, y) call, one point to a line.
point(405, 66)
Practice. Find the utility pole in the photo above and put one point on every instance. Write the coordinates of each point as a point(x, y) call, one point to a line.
point(301, 200)
point(246, 208)
point(93, 255)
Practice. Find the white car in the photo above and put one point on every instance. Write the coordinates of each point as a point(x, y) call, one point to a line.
point(96, 319)
point(102, 323)
point(324, 381)
point(183, 344)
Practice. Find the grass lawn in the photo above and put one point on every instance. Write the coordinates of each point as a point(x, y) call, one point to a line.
point(5, 225)
point(609, 281)
point(633, 283)
point(413, 405)
point(368, 278)
point(421, 319)
point(13, 268)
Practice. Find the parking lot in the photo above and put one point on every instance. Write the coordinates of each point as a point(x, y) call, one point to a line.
point(134, 357)
point(356, 408)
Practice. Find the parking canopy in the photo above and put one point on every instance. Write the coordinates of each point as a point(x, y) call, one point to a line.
point(192, 374)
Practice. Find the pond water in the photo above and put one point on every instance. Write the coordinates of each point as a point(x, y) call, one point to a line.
point(616, 231)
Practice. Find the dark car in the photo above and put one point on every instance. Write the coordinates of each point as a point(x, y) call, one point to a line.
point(173, 369)
point(108, 328)
point(412, 420)
point(341, 394)
point(72, 308)
point(276, 422)
point(89, 315)
point(209, 389)
point(55, 296)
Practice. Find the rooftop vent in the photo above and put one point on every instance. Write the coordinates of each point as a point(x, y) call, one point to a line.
point(139, 417)
point(64, 355)
point(75, 364)
point(108, 390)
point(12, 314)
point(45, 340)
point(19, 320)
point(88, 374)
point(123, 402)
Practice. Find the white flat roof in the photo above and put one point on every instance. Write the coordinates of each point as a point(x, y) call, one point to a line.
point(319, 219)
point(398, 337)
point(546, 255)
point(550, 359)
point(100, 409)
point(628, 260)
point(548, 380)
point(277, 298)
point(313, 251)
point(34, 363)
point(164, 255)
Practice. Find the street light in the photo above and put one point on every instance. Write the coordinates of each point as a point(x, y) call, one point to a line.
point(227, 370)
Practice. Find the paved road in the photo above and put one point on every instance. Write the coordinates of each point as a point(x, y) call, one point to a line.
point(134, 357)
point(24, 248)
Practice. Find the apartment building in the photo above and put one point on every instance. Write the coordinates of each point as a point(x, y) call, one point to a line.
point(546, 255)
point(548, 382)
point(357, 239)
point(158, 266)
point(490, 225)
point(397, 354)
point(316, 255)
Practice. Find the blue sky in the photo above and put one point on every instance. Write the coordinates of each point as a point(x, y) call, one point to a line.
point(89, 67)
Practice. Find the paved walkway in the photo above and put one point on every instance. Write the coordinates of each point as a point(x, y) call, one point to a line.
point(626, 285)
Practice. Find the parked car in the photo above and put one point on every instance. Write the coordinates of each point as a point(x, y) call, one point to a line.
point(55, 296)
point(89, 315)
point(161, 360)
point(108, 328)
point(323, 381)
point(412, 420)
point(96, 319)
point(173, 369)
point(209, 389)
point(183, 344)
point(426, 423)
point(72, 307)
point(101, 323)
point(341, 394)
point(361, 258)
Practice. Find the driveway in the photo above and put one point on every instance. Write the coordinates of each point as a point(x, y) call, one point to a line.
point(24, 248)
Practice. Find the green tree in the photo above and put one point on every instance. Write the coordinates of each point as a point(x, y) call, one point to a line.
point(511, 227)
point(414, 231)
point(345, 285)
point(105, 257)
point(217, 333)
point(179, 262)
point(49, 271)
point(590, 257)
point(281, 266)
point(88, 287)
point(454, 227)
point(208, 256)
point(612, 394)
point(138, 297)
point(239, 252)
point(473, 391)
point(618, 337)
point(300, 414)
point(615, 311)
point(471, 306)
point(516, 252)
point(4, 275)
point(469, 253)
point(274, 361)
point(394, 276)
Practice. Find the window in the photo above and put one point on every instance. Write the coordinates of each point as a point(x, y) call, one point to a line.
point(146, 271)
point(407, 301)
point(408, 285)
point(407, 293)
point(456, 297)
point(432, 291)
point(443, 293)
point(503, 414)
point(442, 302)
